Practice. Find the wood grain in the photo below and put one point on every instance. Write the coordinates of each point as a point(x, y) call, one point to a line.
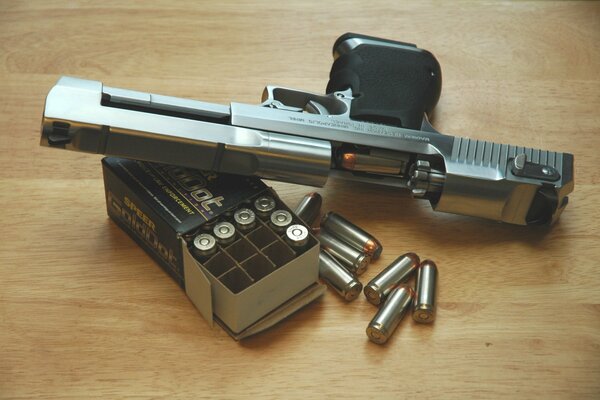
point(85, 313)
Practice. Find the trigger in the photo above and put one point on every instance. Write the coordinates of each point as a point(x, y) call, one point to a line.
point(313, 107)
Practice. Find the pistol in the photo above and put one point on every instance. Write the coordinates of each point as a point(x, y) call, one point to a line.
point(372, 125)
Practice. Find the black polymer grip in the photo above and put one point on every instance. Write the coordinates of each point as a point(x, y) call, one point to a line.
point(392, 82)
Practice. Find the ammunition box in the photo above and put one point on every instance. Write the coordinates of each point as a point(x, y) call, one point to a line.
point(246, 286)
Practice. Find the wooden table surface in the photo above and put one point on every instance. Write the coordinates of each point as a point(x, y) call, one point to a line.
point(86, 313)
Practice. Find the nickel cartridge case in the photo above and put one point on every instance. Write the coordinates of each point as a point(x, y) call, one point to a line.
point(397, 272)
point(297, 236)
point(204, 246)
point(352, 259)
point(245, 219)
point(387, 319)
point(309, 208)
point(225, 233)
point(343, 282)
point(280, 220)
point(424, 304)
point(264, 205)
point(346, 231)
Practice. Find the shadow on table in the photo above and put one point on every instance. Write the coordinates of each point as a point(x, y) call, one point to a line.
point(306, 317)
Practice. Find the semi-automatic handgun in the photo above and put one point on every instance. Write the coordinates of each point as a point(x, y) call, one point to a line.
point(371, 126)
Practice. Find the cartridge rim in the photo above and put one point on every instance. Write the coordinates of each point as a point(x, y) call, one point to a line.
point(244, 218)
point(224, 232)
point(362, 262)
point(264, 204)
point(377, 333)
point(372, 294)
point(353, 291)
point(281, 218)
point(204, 241)
point(424, 314)
point(296, 235)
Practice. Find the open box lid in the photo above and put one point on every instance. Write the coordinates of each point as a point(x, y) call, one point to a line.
point(198, 289)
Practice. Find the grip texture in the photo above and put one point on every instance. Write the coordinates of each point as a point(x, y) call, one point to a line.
point(392, 82)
